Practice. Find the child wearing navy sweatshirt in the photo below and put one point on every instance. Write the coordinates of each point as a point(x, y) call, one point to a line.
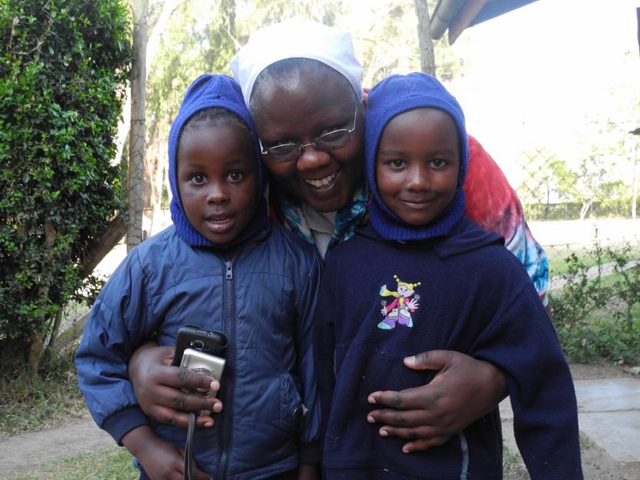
point(423, 277)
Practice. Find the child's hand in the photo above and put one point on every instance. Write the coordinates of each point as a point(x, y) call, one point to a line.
point(308, 472)
point(160, 459)
point(463, 390)
point(157, 386)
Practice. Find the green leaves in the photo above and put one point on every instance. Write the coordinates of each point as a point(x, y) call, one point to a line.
point(62, 65)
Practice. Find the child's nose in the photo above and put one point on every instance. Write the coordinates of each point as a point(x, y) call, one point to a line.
point(419, 179)
point(216, 193)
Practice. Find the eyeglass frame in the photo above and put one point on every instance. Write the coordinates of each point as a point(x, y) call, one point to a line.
point(301, 146)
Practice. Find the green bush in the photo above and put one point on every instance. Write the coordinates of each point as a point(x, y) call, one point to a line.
point(63, 67)
point(597, 312)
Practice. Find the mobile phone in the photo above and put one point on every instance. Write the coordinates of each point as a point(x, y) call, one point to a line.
point(201, 351)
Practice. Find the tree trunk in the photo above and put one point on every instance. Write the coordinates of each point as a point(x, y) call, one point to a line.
point(427, 56)
point(634, 182)
point(109, 239)
point(137, 135)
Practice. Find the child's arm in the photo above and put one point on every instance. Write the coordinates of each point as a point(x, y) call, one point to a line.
point(522, 341)
point(324, 344)
point(119, 321)
point(305, 309)
point(160, 459)
point(308, 472)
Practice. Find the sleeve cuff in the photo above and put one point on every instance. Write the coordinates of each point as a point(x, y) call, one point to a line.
point(123, 421)
point(310, 452)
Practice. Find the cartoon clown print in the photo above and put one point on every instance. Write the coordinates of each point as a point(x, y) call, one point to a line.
point(399, 310)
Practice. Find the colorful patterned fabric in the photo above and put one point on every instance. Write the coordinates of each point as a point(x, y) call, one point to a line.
point(347, 219)
point(492, 203)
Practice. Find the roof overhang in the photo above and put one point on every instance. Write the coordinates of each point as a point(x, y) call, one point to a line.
point(456, 15)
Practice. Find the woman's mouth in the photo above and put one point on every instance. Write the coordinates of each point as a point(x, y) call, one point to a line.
point(323, 182)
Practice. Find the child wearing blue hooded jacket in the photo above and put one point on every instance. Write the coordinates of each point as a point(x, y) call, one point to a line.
point(223, 266)
point(423, 277)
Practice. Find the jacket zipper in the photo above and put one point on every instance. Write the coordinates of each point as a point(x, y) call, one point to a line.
point(226, 427)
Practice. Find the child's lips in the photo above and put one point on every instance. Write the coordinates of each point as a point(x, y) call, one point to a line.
point(417, 203)
point(219, 223)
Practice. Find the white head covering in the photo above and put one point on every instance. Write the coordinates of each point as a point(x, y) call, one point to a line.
point(295, 38)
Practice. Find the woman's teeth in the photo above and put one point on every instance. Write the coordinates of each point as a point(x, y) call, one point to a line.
point(322, 182)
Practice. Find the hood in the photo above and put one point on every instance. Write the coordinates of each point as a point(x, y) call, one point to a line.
point(464, 236)
point(209, 91)
point(392, 96)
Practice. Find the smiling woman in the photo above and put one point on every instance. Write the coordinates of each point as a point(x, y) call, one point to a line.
point(324, 175)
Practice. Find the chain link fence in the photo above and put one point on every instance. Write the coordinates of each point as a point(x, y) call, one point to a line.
point(584, 216)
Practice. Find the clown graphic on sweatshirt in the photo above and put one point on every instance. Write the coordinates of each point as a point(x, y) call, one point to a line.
point(399, 310)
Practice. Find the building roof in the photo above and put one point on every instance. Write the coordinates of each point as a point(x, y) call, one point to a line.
point(456, 15)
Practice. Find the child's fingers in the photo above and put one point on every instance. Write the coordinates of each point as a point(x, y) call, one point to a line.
point(197, 473)
point(204, 421)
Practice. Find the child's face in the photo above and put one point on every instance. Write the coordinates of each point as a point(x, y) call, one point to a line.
point(417, 164)
point(218, 180)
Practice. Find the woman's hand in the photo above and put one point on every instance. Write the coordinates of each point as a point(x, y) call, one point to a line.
point(160, 459)
point(463, 390)
point(157, 386)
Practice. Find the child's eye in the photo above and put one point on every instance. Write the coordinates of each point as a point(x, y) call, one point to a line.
point(438, 163)
point(396, 163)
point(197, 178)
point(236, 176)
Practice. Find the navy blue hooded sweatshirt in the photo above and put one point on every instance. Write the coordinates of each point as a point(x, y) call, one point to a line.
point(395, 290)
point(259, 290)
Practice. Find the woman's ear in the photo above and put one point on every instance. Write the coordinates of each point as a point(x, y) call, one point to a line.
point(365, 98)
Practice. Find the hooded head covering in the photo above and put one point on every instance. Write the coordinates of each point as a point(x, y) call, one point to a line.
point(392, 96)
point(296, 38)
point(211, 91)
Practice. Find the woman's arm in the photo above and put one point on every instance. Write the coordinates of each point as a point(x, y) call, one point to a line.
point(463, 390)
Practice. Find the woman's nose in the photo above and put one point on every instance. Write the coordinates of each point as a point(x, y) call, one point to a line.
point(312, 159)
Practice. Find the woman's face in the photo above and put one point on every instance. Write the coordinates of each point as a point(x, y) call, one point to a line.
point(299, 110)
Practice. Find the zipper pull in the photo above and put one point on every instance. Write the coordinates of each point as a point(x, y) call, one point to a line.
point(229, 272)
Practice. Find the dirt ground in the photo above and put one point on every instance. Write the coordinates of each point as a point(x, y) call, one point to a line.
point(596, 462)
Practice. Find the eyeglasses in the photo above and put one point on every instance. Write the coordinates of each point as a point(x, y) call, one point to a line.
point(290, 152)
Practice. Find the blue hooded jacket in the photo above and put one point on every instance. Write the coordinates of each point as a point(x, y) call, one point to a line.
point(395, 290)
point(259, 291)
